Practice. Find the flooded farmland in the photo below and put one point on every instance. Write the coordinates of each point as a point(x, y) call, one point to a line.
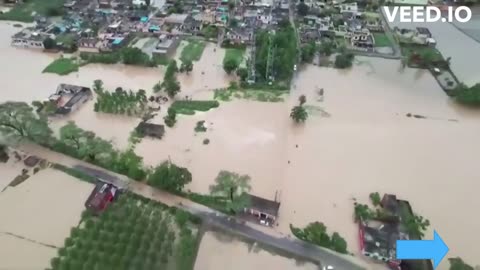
point(356, 141)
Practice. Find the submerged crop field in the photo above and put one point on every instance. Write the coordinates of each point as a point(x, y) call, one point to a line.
point(133, 233)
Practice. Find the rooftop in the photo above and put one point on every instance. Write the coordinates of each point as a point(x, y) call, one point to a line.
point(264, 205)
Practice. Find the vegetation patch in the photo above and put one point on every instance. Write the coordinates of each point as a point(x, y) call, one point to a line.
point(421, 56)
point(232, 59)
point(285, 43)
point(381, 40)
point(316, 233)
point(266, 95)
point(133, 233)
point(468, 95)
point(23, 12)
point(62, 66)
point(200, 126)
point(190, 106)
point(120, 101)
point(193, 51)
point(127, 56)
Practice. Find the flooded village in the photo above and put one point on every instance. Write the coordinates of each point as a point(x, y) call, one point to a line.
point(233, 134)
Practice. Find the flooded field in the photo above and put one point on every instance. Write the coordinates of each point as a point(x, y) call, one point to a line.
point(43, 208)
point(234, 254)
point(245, 137)
point(19, 253)
point(368, 144)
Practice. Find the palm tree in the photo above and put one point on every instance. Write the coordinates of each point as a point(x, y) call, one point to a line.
point(232, 186)
point(299, 114)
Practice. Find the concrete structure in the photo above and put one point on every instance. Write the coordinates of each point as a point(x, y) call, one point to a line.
point(265, 211)
point(166, 45)
point(69, 98)
point(151, 130)
point(29, 38)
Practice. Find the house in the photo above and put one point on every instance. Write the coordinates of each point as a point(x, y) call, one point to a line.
point(240, 35)
point(265, 211)
point(151, 130)
point(89, 45)
point(102, 195)
point(166, 45)
point(192, 25)
point(69, 98)
point(29, 38)
point(139, 3)
point(349, 7)
point(176, 19)
point(362, 40)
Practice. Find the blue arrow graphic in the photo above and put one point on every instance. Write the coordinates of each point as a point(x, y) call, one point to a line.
point(434, 249)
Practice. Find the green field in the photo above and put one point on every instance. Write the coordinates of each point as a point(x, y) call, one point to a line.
point(133, 233)
point(381, 40)
point(236, 54)
point(249, 94)
point(24, 12)
point(193, 51)
point(62, 66)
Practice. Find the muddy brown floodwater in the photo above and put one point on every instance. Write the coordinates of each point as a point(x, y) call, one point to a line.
point(356, 141)
point(234, 254)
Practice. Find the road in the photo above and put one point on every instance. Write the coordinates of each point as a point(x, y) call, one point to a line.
point(254, 232)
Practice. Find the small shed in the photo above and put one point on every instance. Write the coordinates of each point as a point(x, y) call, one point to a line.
point(266, 211)
point(152, 130)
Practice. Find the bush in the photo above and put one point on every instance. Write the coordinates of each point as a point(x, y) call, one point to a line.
point(171, 117)
point(375, 198)
point(170, 177)
point(316, 233)
point(344, 60)
point(200, 127)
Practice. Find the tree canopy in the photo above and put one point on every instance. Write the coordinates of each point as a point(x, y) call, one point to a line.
point(299, 114)
point(468, 95)
point(302, 9)
point(18, 120)
point(344, 60)
point(459, 264)
point(170, 177)
point(230, 65)
point(233, 187)
point(316, 233)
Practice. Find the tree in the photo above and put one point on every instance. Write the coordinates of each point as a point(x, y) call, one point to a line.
point(18, 120)
point(157, 87)
point(363, 213)
point(302, 9)
point(170, 177)
point(134, 56)
point(171, 117)
point(171, 70)
point(186, 66)
point(458, 264)
point(130, 164)
point(344, 60)
point(172, 87)
point(416, 226)
point(147, 3)
point(242, 73)
point(49, 43)
point(375, 198)
point(231, 4)
point(338, 243)
point(98, 87)
point(233, 187)
point(299, 114)
point(468, 95)
point(229, 65)
point(308, 52)
point(326, 48)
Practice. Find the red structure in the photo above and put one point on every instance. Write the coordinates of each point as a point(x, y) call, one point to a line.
point(102, 195)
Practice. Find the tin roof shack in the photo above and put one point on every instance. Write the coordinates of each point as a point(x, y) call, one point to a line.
point(69, 98)
point(151, 130)
point(29, 38)
point(102, 195)
point(262, 210)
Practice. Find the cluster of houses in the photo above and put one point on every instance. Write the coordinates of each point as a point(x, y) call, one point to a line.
point(341, 21)
point(105, 25)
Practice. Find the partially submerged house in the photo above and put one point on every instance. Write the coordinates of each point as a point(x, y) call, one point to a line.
point(263, 210)
point(29, 38)
point(151, 130)
point(68, 98)
point(102, 195)
point(166, 46)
